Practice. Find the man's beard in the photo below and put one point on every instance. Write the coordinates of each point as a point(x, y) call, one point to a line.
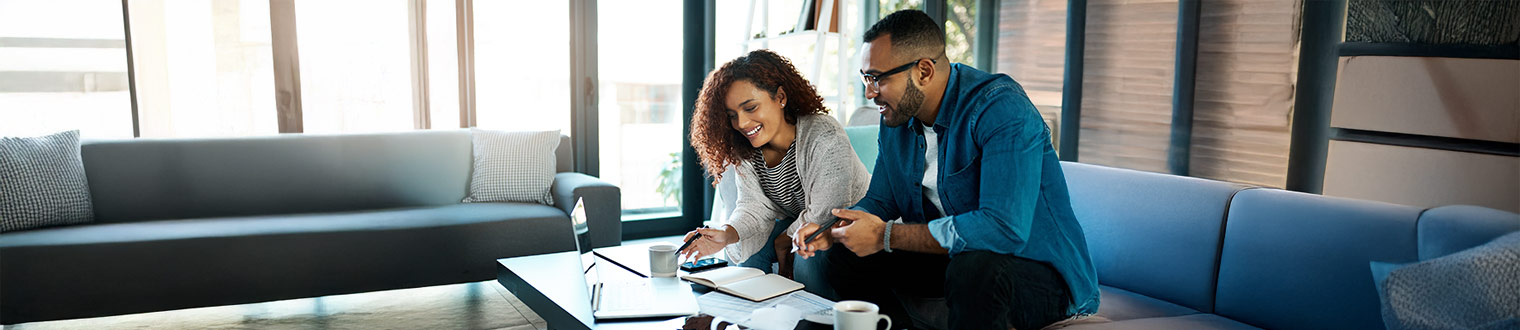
point(912, 102)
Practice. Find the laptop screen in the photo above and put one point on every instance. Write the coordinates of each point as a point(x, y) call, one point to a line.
point(583, 245)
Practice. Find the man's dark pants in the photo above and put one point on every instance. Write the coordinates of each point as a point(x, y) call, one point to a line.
point(983, 290)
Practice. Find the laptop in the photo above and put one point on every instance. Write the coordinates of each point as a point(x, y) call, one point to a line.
point(624, 299)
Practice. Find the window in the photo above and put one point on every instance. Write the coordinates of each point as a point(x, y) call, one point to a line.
point(1245, 77)
point(1032, 49)
point(833, 69)
point(355, 60)
point(442, 64)
point(887, 7)
point(1127, 84)
point(960, 31)
point(203, 68)
point(60, 62)
point(1247, 65)
point(522, 64)
point(640, 106)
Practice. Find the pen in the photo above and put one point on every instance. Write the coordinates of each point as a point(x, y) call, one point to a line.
point(688, 242)
point(822, 229)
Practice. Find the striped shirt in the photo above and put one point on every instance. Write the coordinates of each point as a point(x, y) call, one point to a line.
point(781, 183)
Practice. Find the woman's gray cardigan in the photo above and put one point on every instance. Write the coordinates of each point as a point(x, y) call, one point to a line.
point(831, 175)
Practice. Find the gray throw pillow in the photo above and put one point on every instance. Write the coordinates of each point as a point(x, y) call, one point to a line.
point(1478, 288)
point(42, 182)
point(513, 166)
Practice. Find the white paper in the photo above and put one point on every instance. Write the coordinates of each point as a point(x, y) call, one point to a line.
point(779, 317)
point(812, 307)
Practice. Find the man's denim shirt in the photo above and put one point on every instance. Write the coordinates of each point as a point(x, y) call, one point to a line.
point(999, 181)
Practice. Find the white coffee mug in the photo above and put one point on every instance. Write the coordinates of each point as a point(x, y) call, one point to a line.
point(858, 315)
point(662, 260)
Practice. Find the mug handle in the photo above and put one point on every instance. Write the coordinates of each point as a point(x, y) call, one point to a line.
point(885, 318)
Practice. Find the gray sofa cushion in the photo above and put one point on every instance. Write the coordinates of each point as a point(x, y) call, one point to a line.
point(42, 182)
point(148, 179)
point(217, 261)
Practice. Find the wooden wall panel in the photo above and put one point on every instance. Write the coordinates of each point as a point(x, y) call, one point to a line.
point(1422, 177)
point(1463, 98)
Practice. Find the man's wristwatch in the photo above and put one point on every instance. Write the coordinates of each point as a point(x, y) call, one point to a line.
point(886, 238)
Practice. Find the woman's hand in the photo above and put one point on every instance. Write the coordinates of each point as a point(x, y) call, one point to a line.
point(712, 241)
point(808, 249)
point(783, 245)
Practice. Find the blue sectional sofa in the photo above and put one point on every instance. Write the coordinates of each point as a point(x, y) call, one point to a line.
point(203, 222)
point(1177, 252)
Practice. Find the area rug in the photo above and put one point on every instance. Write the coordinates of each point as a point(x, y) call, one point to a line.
point(478, 305)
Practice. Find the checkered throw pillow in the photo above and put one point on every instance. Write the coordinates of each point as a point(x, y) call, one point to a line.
point(42, 182)
point(513, 166)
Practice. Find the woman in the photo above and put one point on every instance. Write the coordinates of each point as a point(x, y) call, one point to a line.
point(793, 161)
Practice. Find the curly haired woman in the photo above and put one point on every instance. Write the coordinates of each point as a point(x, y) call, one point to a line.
point(792, 160)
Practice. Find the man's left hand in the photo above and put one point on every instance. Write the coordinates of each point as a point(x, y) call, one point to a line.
point(863, 233)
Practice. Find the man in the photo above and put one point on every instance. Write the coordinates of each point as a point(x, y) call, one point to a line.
point(967, 164)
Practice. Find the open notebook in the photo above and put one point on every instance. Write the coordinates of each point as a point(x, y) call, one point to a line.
point(745, 282)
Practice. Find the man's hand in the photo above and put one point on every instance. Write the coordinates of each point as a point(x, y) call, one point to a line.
point(808, 249)
point(862, 234)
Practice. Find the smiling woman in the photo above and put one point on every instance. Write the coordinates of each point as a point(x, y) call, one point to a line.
point(757, 116)
point(713, 126)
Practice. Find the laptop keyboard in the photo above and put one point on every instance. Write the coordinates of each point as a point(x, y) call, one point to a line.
point(625, 296)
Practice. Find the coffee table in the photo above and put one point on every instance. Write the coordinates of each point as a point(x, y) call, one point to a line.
point(552, 286)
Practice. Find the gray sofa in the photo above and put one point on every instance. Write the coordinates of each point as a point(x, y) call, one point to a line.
point(203, 222)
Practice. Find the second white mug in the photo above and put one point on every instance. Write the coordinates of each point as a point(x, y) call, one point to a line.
point(662, 260)
point(858, 315)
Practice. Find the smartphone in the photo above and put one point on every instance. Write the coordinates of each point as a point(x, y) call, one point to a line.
point(703, 264)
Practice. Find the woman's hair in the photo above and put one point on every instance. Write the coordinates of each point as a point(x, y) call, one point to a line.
point(714, 138)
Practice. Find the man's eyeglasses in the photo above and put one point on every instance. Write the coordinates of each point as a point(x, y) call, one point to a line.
point(872, 80)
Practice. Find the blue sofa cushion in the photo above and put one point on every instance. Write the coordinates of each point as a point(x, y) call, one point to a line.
point(1195, 321)
point(1448, 229)
point(1153, 234)
point(1119, 304)
point(1300, 261)
point(863, 140)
